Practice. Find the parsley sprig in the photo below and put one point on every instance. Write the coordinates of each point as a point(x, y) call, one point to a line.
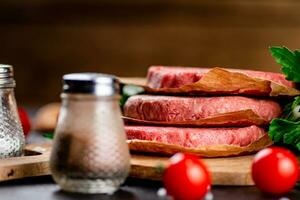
point(289, 60)
point(286, 129)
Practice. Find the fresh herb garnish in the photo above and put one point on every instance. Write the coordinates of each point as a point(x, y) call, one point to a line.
point(290, 111)
point(48, 135)
point(289, 60)
point(286, 130)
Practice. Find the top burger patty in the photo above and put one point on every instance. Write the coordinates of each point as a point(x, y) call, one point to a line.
point(175, 77)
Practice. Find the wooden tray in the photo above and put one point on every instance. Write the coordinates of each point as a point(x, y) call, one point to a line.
point(34, 163)
point(224, 171)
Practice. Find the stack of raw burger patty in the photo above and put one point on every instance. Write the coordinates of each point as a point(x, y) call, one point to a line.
point(210, 126)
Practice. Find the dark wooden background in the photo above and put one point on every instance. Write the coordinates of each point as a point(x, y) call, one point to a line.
point(45, 39)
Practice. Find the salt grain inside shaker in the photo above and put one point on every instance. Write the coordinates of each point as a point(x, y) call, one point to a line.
point(90, 153)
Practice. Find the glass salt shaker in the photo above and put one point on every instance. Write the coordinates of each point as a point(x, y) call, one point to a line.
point(90, 153)
point(12, 139)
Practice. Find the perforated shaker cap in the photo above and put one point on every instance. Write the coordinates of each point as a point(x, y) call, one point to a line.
point(6, 76)
point(91, 83)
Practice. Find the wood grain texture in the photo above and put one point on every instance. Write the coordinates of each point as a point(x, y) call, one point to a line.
point(224, 171)
point(35, 163)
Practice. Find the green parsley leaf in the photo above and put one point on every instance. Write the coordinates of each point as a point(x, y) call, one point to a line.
point(289, 60)
point(49, 135)
point(286, 130)
point(288, 111)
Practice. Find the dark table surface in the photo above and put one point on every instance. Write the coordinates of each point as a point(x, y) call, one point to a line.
point(44, 188)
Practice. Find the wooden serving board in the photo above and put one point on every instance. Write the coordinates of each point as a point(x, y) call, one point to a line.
point(35, 162)
point(224, 171)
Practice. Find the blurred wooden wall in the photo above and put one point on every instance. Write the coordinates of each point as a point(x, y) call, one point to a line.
point(45, 39)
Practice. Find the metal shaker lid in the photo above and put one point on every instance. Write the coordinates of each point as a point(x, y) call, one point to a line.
point(6, 76)
point(91, 83)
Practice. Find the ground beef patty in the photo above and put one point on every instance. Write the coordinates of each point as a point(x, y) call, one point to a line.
point(174, 109)
point(174, 77)
point(196, 137)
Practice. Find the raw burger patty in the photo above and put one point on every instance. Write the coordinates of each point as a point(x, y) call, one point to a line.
point(170, 108)
point(195, 137)
point(174, 77)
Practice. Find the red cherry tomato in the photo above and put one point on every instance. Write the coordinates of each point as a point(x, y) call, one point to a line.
point(186, 177)
point(24, 120)
point(275, 170)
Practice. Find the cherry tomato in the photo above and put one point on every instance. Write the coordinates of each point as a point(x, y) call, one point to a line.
point(186, 177)
point(24, 120)
point(275, 170)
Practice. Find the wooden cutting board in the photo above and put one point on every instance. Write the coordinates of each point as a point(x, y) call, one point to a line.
point(224, 171)
point(35, 162)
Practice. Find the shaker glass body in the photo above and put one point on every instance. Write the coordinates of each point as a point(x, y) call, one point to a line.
point(12, 139)
point(90, 153)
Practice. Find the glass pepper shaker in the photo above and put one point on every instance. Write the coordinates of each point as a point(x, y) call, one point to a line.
point(12, 139)
point(90, 153)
